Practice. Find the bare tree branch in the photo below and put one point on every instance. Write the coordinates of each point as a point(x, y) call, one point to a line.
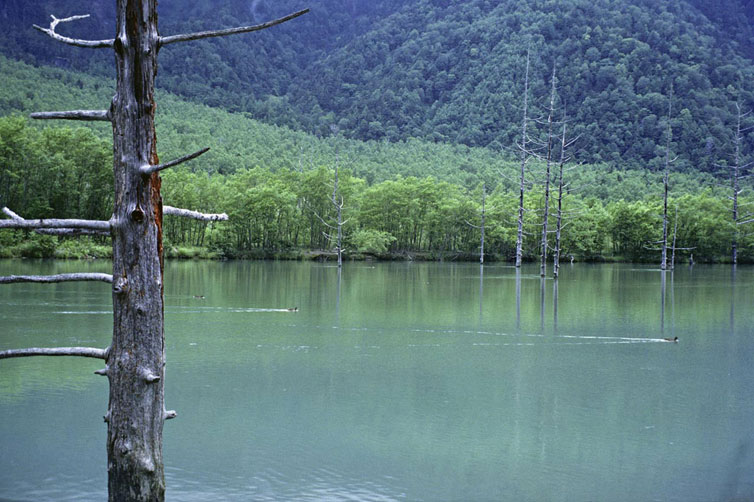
point(147, 170)
point(186, 37)
point(93, 44)
point(18, 222)
point(196, 215)
point(57, 351)
point(90, 115)
point(9, 279)
point(59, 231)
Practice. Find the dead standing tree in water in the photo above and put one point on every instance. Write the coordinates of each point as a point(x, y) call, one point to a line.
point(738, 171)
point(563, 189)
point(546, 209)
point(482, 224)
point(524, 159)
point(135, 360)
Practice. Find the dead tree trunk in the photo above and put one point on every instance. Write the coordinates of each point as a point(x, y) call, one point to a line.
point(738, 171)
point(135, 360)
point(339, 213)
point(666, 184)
point(481, 244)
point(524, 158)
point(559, 219)
point(736, 185)
point(546, 213)
point(562, 185)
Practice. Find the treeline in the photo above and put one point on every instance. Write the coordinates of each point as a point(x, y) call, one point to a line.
point(68, 173)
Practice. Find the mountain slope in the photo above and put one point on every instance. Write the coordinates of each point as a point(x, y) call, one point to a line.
point(449, 70)
point(453, 72)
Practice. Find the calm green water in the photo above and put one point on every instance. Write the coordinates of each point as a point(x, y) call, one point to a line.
point(401, 382)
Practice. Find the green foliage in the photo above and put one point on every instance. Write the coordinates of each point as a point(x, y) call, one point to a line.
point(371, 241)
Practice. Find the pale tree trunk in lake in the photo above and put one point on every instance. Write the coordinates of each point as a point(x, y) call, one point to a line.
point(481, 244)
point(564, 144)
point(482, 224)
point(666, 184)
point(524, 158)
point(546, 213)
point(135, 359)
point(738, 171)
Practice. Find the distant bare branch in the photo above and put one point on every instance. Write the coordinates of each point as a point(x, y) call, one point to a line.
point(186, 213)
point(92, 44)
point(57, 351)
point(90, 115)
point(147, 170)
point(186, 37)
point(9, 279)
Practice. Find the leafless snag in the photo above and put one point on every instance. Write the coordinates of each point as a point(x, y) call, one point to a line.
point(524, 158)
point(543, 245)
point(666, 183)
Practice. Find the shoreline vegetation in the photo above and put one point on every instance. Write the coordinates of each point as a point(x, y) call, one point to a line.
point(46, 248)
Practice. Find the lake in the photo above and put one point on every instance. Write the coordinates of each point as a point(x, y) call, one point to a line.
point(400, 381)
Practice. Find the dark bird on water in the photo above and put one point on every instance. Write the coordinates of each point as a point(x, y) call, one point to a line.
point(293, 309)
point(674, 340)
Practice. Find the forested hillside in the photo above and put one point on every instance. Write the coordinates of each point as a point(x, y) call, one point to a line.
point(275, 183)
point(450, 70)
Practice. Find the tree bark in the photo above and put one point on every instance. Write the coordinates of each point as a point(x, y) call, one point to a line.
point(135, 366)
